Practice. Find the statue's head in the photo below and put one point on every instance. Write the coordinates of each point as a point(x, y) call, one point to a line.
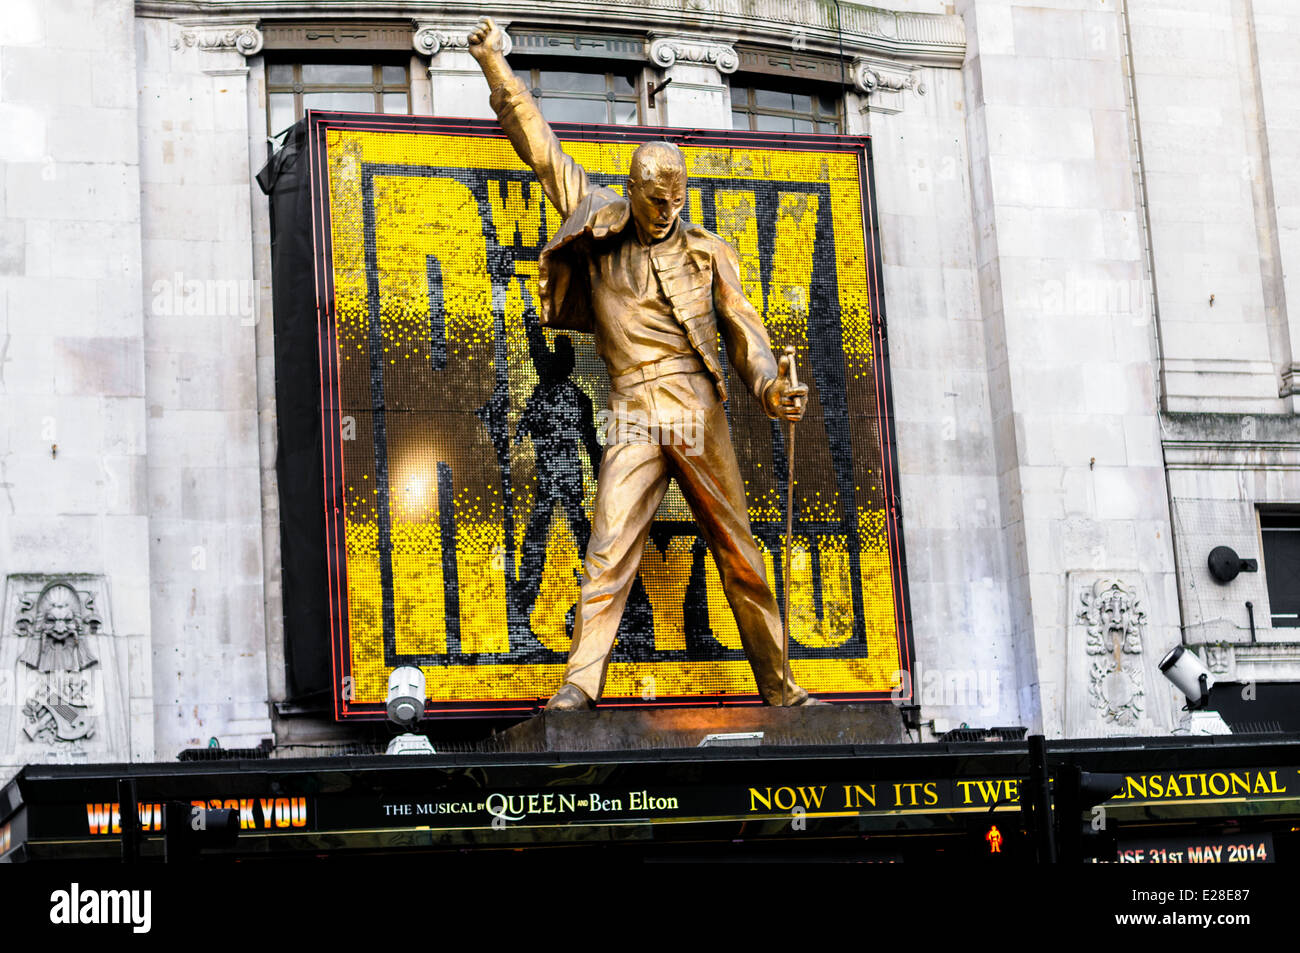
point(656, 188)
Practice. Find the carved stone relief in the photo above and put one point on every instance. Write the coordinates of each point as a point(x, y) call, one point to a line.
point(1114, 617)
point(886, 84)
point(63, 670)
point(243, 38)
point(430, 37)
point(1218, 658)
point(665, 51)
point(1113, 687)
point(55, 620)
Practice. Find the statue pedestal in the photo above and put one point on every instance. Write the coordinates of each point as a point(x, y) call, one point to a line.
point(623, 729)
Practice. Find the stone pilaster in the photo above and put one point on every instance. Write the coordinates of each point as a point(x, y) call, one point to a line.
point(456, 84)
point(73, 491)
point(698, 67)
point(208, 594)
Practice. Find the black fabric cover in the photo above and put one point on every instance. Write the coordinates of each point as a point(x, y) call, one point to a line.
point(298, 465)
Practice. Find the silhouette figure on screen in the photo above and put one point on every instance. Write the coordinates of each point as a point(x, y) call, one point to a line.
point(558, 416)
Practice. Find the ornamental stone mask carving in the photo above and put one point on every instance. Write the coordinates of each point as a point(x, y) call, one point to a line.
point(56, 622)
point(1114, 618)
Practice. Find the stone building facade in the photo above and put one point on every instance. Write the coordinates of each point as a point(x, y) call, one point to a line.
point(1090, 220)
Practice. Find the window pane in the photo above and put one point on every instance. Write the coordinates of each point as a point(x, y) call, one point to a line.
point(280, 109)
point(830, 127)
point(802, 104)
point(557, 109)
point(625, 114)
point(739, 120)
point(573, 82)
point(348, 102)
point(624, 85)
point(395, 103)
point(394, 75)
point(771, 99)
point(827, 105)
point(280, 74)
point(1281, 536)
point(740, 95)
point(338, 74)
point(803, 125)
point(774, 123)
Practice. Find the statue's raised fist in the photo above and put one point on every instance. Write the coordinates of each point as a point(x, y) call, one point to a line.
point(486, 38)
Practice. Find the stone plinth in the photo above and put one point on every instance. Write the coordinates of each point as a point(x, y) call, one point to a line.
point(620, 729)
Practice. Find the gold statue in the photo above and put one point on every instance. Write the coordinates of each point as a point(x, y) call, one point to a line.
point(654, 295)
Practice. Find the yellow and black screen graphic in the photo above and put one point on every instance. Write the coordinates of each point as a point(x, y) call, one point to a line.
point(463, 439)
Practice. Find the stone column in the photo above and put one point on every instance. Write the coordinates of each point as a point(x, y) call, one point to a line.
point(1069, 337)
point(1273, 27)
point(957, 563)
point(698, 67)
point(1204, 127)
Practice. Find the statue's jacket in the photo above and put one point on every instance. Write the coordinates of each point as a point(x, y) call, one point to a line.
point(697, 271)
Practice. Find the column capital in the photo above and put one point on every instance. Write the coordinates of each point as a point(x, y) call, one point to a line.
point(433, 36)
point(1290, 381)
point(667, 50)
point(885, 82)
point(222, 37)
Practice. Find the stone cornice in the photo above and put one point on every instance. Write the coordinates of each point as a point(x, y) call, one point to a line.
point(1208, 455)
point(1263, 653)
point(1230, 441)
point(910, 38)
point(665, 51)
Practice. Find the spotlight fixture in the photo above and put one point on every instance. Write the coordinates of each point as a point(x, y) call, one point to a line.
point(1194, 680)
point(1189, 675)
point(1225, 564)
point(405, 707)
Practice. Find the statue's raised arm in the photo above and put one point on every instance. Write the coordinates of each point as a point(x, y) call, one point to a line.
point(564, 181)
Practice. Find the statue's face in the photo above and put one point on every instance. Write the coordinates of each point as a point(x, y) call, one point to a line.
point(656, 204)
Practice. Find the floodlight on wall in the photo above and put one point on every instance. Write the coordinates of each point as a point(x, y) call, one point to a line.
point(1189, 675)
point(1225, 564)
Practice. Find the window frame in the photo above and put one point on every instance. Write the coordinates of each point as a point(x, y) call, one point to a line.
point(378, 86)
point(765, 83)
point(1284, 519)
point(529, 71)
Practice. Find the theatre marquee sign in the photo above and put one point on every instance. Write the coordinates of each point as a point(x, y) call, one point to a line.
point(460, 803)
